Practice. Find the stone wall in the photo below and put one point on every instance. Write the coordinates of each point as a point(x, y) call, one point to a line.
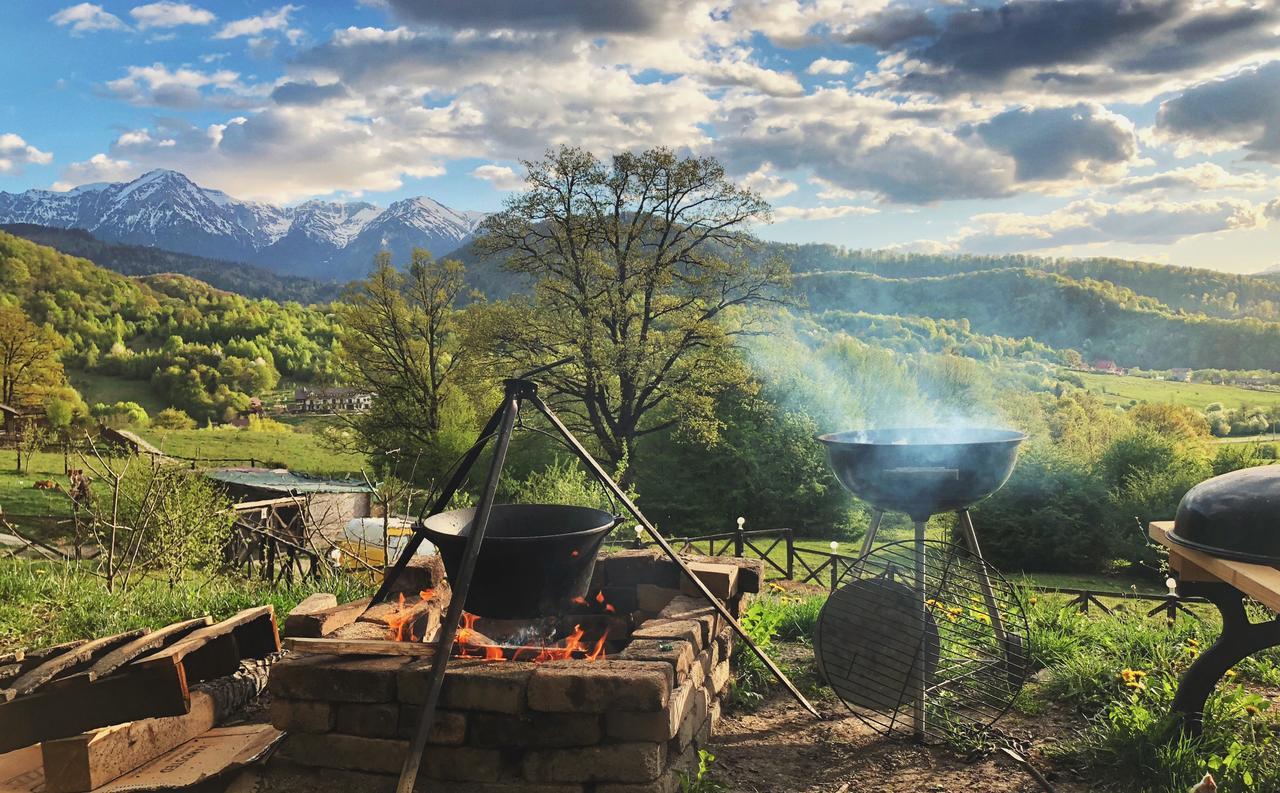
point(628, 724)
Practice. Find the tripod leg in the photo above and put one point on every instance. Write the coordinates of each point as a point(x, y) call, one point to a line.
point(441, 502)
point(621, 495)
point(458, 597)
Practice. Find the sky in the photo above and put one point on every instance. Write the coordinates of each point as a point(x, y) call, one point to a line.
point(1145, 129)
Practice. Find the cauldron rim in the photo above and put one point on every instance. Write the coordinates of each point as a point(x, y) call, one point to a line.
point(869, 436)
point(607, 521)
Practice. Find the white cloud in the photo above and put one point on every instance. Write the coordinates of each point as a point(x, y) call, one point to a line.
point(86, 18)
point(821, 213)
point(256, 26)
point(16, 152)
point(500, 176)
point(184, 88)
point(767, 183)
point(167, 14)
point(1088, 221)
point(1194, 178)
point(98, 168)
point(829, 66)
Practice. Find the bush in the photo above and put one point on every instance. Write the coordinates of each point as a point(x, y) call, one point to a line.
point(264, 424)
point(173, 419)
point(120, 414)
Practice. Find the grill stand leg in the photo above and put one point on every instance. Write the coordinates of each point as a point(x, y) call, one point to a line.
point(988, 592)
point(1238, 640)
point(919, 684)
point(868, 540)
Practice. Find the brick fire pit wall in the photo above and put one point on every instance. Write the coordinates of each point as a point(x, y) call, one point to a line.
point(627, 724)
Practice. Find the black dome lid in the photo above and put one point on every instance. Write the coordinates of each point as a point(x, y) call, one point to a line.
point(1235, 516)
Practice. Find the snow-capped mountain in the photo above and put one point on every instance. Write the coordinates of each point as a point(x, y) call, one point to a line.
point(320, 239)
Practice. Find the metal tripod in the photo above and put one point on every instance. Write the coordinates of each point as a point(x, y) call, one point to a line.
point(501, 425)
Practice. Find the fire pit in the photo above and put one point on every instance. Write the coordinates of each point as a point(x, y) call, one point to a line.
point(618, 692)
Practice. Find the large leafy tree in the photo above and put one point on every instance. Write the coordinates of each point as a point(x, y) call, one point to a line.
point(29, 362)
point(402, 339)
point(642, 267)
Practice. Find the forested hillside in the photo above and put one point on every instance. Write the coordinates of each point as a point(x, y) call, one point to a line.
point(205, 350)
point(1097, 318)
point(1187, 289)
point(243, 279)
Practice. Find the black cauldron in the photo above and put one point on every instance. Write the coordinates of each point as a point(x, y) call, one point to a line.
point(535, 558)
point(1235, 516)
point(923, 470)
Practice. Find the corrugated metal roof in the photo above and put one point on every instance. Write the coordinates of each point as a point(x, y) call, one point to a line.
point(282, 480)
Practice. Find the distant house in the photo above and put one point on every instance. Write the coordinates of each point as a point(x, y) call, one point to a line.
point(1107, 366)
point(15, 420)
point(255, 406)
point(339, 399)
point(1180, 375)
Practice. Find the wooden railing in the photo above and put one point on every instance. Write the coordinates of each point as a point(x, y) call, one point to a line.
point(270, 536)
point(828, 568)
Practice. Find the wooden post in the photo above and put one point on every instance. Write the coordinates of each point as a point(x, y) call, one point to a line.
point(738, 539)
point(791, 554)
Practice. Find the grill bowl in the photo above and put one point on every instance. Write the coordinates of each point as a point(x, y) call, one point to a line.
point(535, 558)
point(1234, 516)
point(922, 470)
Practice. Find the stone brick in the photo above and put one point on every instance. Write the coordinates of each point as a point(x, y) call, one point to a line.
point(618, 762)
point(694, 719)
point(534, 730)
point(336, 679)
point(654, 598)
point(286, 775)
point(643, 566)
point(750, 571)
point(716, 714)
point(679, 654)
point(301, 715)
point(471, 685)
point(669, 782)
point(600, 686)
point(661, 725)
point(372, 720)
point(448, 729)
point(461, 763)
point(721, 579)
point(671, 630)
point(348, 752)
point(719, 677)
point(688, 607)
point(725, 640)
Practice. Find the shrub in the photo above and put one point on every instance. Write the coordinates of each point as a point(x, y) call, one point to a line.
point(173, 419)
point(264, 424)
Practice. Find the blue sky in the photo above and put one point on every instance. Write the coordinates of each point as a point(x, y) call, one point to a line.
point(1138, 128)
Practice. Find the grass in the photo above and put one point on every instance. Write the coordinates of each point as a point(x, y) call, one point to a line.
point(17, 494)
point(1122, 389)
point(96, 387)
point(43, 603)
point(305, 452)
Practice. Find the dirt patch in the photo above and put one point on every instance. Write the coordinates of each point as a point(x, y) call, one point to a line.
point(780, 748)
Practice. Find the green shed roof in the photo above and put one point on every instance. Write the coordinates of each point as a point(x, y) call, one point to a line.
point(282, 480)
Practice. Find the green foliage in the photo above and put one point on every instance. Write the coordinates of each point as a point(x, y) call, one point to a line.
point(701, 780)
point(751, 678)
point(173, 419)
point(563, 481)
point(265, 424)
point(120, 414)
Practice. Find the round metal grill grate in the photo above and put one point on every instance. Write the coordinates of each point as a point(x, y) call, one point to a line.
point(937, 655)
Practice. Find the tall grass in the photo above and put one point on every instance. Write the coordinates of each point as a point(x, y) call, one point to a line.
point(44, 603)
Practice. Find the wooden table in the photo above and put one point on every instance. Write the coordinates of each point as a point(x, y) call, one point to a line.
point(1226, 584)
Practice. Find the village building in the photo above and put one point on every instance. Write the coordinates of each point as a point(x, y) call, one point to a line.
point(337, 399)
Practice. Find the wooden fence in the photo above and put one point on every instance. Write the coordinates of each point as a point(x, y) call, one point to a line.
point(271, 537)
point(828, 568)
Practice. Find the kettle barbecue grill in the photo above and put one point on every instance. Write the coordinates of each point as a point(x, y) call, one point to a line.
point(921, 471)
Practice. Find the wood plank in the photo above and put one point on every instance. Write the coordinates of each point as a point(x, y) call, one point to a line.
point(63, 712)
point(324, 622)
point(307, 646)
point(68, 661)
point(1260, 582)
point(122, 655)
point(84, 762)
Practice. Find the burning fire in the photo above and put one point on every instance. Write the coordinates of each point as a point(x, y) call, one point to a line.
point(401, 622)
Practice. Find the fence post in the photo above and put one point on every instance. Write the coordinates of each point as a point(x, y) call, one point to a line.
point(835, 574)
point(738, 538)
point(791, 554)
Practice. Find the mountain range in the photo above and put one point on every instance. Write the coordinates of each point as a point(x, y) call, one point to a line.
point(325, 240)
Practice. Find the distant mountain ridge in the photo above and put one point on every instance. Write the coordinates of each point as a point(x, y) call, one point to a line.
point(326, 240)
point(139, 260)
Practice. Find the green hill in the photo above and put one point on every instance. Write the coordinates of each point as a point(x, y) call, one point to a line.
point(1100, 319)
point(243, 279)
